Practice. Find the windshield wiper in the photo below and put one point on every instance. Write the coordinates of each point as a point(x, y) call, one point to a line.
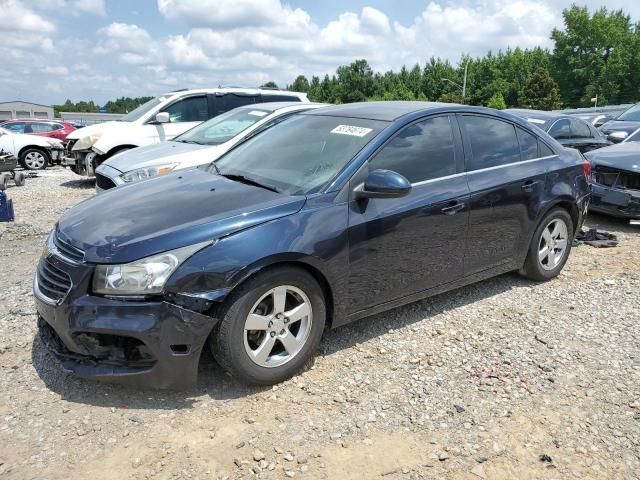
point(247, 180)
point(188, 141)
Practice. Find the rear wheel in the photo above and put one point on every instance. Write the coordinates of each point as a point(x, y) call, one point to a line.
point(4, 180)
point(271, 326)
point(34, 159)
point(550, 246)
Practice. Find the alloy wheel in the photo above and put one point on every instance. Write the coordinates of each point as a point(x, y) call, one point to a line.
point(553, 244)
point(35, 160)
point(278, 326)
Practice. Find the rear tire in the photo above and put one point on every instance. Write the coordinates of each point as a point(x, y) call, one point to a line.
point(287, 308)
point(34, 159)
point(4, 180)
point(550, 246)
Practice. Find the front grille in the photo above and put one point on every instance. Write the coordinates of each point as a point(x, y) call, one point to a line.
point(612, 177)
point(68, 250)
point(52, 282)
point(104, 183)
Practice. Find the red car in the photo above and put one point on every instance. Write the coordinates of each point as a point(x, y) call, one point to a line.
point(44, 128)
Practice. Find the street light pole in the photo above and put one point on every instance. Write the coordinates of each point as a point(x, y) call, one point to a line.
point(464, 82)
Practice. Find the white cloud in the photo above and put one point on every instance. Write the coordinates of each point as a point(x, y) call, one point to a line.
point(57, 70)
point(130, 43)
point(96, 7)
point(20, 19)
point(230, 14)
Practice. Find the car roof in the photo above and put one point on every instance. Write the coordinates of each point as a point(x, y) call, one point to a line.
point(252, 91)
point(384, 111)
point(291, 106)
point(33, 120)
point(539, 114)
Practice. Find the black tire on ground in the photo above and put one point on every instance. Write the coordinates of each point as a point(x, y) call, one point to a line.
point(4, 180)
point(533, 268)
point(32, 151)
point(227, 341)
point(19, 179)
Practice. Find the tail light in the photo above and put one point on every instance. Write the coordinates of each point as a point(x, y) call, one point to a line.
point(586, 166)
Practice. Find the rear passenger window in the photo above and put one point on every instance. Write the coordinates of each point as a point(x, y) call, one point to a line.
point(422, 151)
point(528, 144)
point(279, 98)
point(229, 101)
point(493, 142)
point(544, 150)
point(561, 130)
point(580, 129)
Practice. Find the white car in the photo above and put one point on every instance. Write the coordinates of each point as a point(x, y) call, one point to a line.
point(161, 118)
point(33, 152)
point(199, 146)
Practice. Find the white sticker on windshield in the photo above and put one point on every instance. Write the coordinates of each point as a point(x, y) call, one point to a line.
point(351, 130)
point(535, 120)
point(257, 113)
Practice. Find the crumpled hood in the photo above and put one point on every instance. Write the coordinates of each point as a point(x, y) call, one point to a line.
point(624, 156)
point(163, 153)
point(168, 212)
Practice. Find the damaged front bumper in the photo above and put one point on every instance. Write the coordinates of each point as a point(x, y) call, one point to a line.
point(143, 343)
point(617, 202)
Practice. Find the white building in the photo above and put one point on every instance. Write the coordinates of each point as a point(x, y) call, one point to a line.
point(20, 109)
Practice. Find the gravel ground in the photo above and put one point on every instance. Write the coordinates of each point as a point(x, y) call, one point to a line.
point(500, 380)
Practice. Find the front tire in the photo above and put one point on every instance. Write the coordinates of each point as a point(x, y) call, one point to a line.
point(270, 326)
point(550, 246)
point(34, 159)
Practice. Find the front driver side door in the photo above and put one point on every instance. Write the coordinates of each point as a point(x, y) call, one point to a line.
point(406, 245)
point(184, 114)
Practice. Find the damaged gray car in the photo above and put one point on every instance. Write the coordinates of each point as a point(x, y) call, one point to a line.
point(615, 177)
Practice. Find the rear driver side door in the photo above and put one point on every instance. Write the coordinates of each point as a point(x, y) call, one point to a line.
point(406, 245)
point(506, 172)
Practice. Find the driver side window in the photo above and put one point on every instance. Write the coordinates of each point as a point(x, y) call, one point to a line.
point(422, 151)
point(190, 109)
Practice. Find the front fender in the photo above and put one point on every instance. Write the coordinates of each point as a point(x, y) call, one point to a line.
point(315, 237)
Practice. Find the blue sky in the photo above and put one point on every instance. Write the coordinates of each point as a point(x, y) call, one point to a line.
point(102, 49)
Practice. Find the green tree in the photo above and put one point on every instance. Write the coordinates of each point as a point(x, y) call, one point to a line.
point(497, 101)
point(355, 82)
point(596, 54)
point(540, 91)
point(300, 84)
point(269, 84)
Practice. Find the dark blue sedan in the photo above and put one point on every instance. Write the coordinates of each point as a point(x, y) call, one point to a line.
point(325, 218)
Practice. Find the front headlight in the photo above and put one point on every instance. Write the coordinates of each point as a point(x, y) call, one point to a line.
point(142, 277)
point(147, 172)
point(85, 143)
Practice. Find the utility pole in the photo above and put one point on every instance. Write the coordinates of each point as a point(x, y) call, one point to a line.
point(464, 82)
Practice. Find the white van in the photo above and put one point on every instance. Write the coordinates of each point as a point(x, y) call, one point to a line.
point(161, 118)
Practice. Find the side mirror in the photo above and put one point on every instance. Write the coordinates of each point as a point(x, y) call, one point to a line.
point(163, 117)
point(383, 184)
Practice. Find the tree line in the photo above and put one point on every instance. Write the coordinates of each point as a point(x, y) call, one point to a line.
point(594, 54)
point(120, 105)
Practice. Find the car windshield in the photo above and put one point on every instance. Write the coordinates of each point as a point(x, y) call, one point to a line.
point(224, 127)
point(135, 114)
point(301, 154)
point(631, 115)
